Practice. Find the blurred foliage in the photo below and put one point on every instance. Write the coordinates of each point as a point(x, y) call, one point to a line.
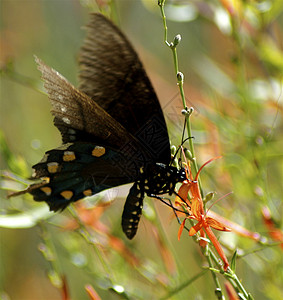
point(232, 57)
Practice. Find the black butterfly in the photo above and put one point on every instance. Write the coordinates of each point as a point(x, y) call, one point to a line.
point(113, 129)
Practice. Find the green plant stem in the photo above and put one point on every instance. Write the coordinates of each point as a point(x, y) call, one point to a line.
point(234, 280)
point(240, 286)
point(176, 66)
point(229, 274)
point(180, 82)
point(209, 255)
point(161, 5)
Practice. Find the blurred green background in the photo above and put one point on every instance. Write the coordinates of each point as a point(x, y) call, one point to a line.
point(233, 69)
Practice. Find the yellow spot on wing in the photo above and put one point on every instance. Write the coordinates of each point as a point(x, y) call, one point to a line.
point(87, 192)
point(98, 151)
point(52, 167)
point(69, 156)
point(46, 179)
point(46, 190)
point(67, 194)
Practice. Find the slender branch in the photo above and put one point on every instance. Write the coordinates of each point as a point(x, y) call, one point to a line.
point(180, 82)
point(209, 254)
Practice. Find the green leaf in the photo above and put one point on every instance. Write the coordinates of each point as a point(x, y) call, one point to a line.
point(233, 262)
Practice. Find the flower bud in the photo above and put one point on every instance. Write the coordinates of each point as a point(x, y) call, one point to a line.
point(177, 40)
point(180, 76)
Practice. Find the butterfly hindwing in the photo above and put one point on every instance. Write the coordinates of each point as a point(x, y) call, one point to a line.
point(76, 170)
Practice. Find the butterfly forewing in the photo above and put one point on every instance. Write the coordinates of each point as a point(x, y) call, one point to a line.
point(113, 76)
point(77, 116)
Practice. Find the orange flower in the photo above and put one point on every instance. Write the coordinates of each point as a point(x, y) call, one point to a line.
point(275, 233)
point(196, 211)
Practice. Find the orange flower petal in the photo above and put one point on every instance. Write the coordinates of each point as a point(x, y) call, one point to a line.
point(195, 229)
point(216, 224)
point(195, 190)
point(217, 246)
point(183, 193)
point(234, 227)
point(195, 208)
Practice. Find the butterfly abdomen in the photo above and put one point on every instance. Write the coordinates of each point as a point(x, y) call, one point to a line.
point(132, 211)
